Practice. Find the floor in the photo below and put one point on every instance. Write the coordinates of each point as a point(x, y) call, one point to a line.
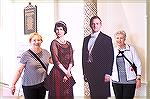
point(5, 93)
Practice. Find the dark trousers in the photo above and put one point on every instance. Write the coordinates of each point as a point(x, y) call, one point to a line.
point(98, 91)
point(124, 91)
point(34, 92)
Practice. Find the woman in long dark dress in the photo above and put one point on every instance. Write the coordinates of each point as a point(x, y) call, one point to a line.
point(62, 55)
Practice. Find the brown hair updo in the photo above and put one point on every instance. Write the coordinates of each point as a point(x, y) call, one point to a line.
point(61, 24)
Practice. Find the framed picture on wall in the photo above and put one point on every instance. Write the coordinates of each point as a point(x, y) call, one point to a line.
point(30, 19)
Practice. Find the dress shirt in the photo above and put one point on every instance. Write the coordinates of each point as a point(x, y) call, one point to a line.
point(92, 41)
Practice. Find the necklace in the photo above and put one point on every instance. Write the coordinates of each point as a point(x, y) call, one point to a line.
point(62, 42)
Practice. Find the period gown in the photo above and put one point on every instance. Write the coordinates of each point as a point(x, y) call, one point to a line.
point(61, 53)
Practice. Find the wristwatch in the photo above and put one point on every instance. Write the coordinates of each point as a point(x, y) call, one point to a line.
point(138, 77)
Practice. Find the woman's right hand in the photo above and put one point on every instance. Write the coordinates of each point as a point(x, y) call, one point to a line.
point(65, 79)
point(13, 88)
point(68, 74)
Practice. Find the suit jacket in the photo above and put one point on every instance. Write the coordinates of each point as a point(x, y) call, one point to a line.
point(102, 54)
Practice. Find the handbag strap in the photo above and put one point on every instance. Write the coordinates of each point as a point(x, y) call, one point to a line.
point(37, 59)
point(125, 57)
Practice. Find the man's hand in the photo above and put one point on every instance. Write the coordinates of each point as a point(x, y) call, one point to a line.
point(107, 78)
point(85, 78)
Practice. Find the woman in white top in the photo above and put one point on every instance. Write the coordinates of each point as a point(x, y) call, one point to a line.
point(124, 78)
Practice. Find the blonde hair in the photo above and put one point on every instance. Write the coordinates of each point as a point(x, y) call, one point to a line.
point(33, 34)
point(121, 32)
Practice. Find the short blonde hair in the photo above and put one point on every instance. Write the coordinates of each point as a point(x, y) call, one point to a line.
point(33, 34)
point(121, 32)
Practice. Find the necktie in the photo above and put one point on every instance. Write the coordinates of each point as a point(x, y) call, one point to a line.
point(91, 44)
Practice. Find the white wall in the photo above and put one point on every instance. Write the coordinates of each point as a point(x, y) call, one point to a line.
point(7, 50)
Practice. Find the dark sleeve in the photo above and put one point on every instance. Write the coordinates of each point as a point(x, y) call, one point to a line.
point(54, 52)
point(83, 56)
point(110, 56)
point(71, 55)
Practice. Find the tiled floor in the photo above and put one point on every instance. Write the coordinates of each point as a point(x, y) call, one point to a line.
point(5, 93)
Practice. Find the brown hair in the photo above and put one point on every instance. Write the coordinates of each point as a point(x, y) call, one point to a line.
point(61, 24)
point(94, 17)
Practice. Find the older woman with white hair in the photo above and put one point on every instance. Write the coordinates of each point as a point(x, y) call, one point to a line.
point(124, 78)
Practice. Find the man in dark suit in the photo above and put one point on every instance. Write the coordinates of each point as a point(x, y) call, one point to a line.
point(97, 60)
